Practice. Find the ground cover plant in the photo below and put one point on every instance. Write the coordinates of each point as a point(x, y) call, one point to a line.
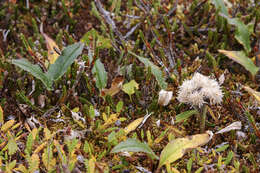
point(129, 86)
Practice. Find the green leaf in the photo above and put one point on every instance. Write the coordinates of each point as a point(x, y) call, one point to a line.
point(241, 58)
point(133, 145)
point(29, 143)
point(12, 145)
point(100, 74)
point(67, 57)
point(129, 88)
point(10, 166)
point(229, 157)
point(219, 5)
point(154, 69)
point(119, 106)
point(178, 147)
point(185, 115)
point(71, 144)
point(242, 33)
point(101, 43)
point(222, 148)
point(34, 70)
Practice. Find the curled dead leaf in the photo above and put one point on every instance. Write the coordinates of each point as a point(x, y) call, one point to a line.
point(116, 86)
point(53, 49)
point(253, 93)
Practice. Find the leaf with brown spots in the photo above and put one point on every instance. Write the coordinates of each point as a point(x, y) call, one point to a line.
point(53, 50)
point(178, 147)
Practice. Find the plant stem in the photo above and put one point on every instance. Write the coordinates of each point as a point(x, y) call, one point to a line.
point(203, 118)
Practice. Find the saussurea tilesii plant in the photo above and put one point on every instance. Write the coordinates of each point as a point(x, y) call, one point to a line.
point(199, 91)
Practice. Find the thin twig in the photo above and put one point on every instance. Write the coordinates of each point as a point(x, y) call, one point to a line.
point(109, 21)
point(132, 30)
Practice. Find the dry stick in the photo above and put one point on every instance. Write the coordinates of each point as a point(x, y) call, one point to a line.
point(140, 7)
point(159, 61)
point(171, 53)
point(108, 20)
point(132, 30)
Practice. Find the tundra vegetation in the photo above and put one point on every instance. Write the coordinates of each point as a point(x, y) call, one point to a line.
point(129, 86)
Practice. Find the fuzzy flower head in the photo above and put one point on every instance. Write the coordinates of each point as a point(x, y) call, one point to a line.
point(200, 90)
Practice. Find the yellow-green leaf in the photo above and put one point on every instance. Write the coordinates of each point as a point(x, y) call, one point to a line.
point(7, 125)
point(178, 147)
point(133, 125)
point(11, 145)
point(129, 88)
point(47, 133)
point(91, 165)
point(47, 158)
point(22, 168)
point(253, 93)
point(242, 59)
point(112, 118)
point(10, 166)
point(34, 162)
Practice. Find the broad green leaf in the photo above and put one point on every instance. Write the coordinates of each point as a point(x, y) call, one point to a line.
point(1, 115)
point(129, 88)
point(241, 58)
point(154, 69)
point(67, 57)
point(101, 41)
point(178, 147)
point(100, 74)
point(34, 70)
point(219, 5)
point(185, 115)
point(133, 145)
point(242, 33)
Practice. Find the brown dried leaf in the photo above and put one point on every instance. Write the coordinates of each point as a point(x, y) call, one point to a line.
point(53, 49)
point(116, 86)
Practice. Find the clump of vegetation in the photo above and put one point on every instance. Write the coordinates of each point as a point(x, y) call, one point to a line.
point(107, 86)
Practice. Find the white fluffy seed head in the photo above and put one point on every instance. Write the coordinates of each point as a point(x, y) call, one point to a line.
point(199, 90)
